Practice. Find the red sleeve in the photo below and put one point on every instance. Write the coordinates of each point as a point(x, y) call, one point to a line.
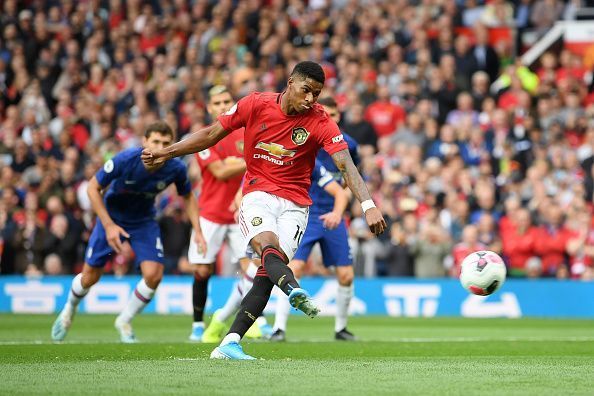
point(332, 139)
point(207, 157)
point(238, 115)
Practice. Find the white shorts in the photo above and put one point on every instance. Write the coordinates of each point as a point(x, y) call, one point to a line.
point(261, 211)
point(214, 234)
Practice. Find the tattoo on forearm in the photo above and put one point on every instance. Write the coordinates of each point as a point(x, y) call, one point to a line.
point(351, 175)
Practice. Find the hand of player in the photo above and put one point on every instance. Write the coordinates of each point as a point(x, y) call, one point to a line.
point(200, 242)
point(152, 158)
point(113, 233)
point(331, 220)
point(375, 221)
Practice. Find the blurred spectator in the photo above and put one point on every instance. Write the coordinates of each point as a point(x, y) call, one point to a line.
point(470, 243)
point(498, 13)
point(519, 242)
point(466, 130)
point(545, 13)
point(175, 231)
point(396, 253)
point(53, 265)
point(356, 126)
point(446, 146)
point(488, 234)
point(384, 116)
point(484, 54)
point(430, 250)
point(551, 242)
point(580, 247)
point(464, 109)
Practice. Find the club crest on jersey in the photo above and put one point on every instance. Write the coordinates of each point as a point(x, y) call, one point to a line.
point(256, 221)
point(108, 167)
point(204, 154)
point(161, 185)
point(299, 135)
point(239, 146)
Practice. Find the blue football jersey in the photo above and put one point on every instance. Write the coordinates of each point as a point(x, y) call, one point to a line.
point(328, 163)
point(322, 201)
point(320, 177)
point(130, 198)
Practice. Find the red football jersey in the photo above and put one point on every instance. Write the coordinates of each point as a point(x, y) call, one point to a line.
point(217, 195)
point(281, 149)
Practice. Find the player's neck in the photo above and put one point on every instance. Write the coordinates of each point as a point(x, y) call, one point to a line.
point(152, 169)
point(286, 106)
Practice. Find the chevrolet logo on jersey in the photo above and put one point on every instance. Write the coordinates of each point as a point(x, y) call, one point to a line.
point(278, 150)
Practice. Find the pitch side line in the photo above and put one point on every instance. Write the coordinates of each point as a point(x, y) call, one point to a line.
point(325, 340)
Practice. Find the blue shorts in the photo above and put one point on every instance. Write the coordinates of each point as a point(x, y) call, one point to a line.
point(334, 243)
point(145, 240)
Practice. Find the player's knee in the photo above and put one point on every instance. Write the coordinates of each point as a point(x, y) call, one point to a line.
point(90, 276)
point(298, 272)
point(267, 238)
point(202, 272)
point(89, 279)
point(345, 278)
point(152, 280)
point(297, 268)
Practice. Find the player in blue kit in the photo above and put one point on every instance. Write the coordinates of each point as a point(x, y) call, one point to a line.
point(126, 213)
point(325, 226)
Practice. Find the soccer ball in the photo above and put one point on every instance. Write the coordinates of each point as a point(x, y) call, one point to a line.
point(482, 273)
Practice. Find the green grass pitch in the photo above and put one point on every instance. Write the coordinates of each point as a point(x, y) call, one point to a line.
point(395, 356)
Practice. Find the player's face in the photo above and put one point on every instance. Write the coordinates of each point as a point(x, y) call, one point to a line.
point(219, 104)
point(333, 113)
point(156, 141)
point(303, 93)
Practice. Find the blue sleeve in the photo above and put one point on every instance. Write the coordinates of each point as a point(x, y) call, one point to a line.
point(112, 169)
point(353, 149)
point(321, 176)
point(182, 181)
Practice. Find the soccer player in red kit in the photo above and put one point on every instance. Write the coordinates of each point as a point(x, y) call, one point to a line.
point(222, 167)
point(283, 133)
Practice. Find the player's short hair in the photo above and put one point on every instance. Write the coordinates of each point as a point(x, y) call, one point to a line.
point(160, 127)
point(309, 69)
point(328, 101)
point(217, 90)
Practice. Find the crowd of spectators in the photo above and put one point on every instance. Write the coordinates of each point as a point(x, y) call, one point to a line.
point(462, 146)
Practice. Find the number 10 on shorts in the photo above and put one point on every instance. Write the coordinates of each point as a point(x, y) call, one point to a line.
point(298, 234)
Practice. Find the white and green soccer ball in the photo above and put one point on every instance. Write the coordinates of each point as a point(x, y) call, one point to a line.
point(482, 272)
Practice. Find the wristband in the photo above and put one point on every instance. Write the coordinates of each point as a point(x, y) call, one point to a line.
point(366, 205)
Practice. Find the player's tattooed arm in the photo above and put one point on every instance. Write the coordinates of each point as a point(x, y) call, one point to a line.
point(353, 179)
point(351, 175)
point(195, 142)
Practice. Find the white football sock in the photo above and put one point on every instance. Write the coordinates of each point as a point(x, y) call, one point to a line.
point(231, 337)
point(343, 300)
point(232, 304)
point(261, 321)
point(251, 270)
point(247, 280)
point(283, 308)
point(77, 293)
point(141, 296)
